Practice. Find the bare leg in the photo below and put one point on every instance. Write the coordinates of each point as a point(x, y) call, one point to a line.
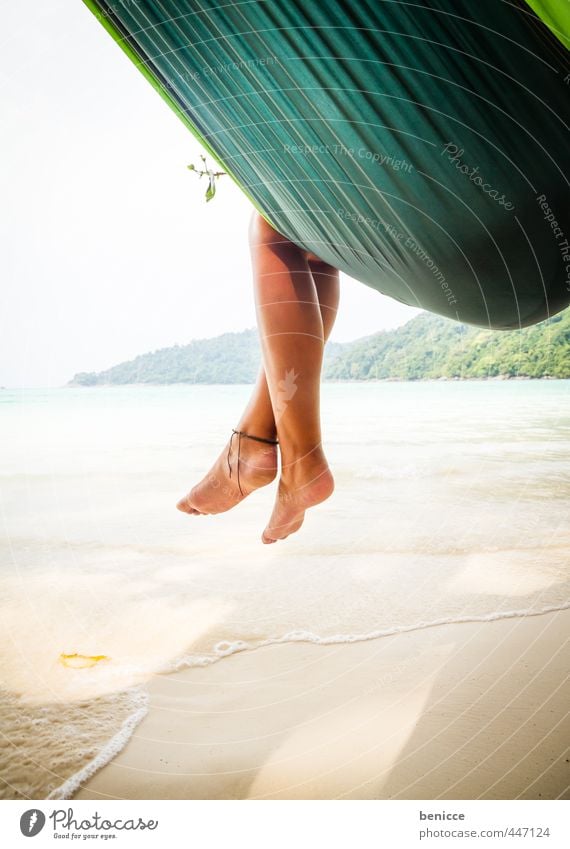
point(292, 340)
point(217, 492)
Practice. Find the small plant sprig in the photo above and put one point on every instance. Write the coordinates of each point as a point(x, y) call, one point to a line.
point(211, 175)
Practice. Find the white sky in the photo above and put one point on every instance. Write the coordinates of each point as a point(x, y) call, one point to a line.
point(107, 248)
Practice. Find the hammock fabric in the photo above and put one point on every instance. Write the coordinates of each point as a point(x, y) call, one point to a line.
point(417, 146)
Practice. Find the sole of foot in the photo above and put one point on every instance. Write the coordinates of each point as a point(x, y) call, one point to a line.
point(293, 500)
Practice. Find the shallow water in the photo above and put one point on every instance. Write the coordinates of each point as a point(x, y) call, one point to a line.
point(452, 502)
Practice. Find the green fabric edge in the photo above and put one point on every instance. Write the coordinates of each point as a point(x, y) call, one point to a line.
point(556, 15)
point(93, 7)
point(552, 13)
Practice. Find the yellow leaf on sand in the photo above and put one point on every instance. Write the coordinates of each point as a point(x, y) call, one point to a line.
point(81, 661)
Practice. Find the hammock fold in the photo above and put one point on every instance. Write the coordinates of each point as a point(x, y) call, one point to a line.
point(418, 147)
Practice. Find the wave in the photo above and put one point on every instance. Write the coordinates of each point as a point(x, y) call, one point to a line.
point(49, 750)
point(226, 648)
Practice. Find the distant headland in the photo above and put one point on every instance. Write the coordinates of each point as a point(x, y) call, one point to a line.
point(427, 347)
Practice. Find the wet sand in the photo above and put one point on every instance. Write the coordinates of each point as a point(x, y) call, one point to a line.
point(459, 711)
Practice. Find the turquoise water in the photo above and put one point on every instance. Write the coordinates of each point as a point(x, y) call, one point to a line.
point(452, 502)
point(87, 461)
point(101, 464)
point(431, 461)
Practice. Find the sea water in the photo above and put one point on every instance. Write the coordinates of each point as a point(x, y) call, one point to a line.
point(452, 504)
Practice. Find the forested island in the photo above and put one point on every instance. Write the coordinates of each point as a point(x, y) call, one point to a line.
point(427, 347)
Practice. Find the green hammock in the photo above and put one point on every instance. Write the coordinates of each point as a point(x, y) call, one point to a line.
point(417, 146)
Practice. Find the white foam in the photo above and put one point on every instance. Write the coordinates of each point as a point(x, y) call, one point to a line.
point(227, 648)
point(107, 753)
point(48, 750)
point(142, 584)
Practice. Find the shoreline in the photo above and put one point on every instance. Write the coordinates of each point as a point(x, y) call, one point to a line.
point(465, 710)
point(500, 378)
point(496, 379)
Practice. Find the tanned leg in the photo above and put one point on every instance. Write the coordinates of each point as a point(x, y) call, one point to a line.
point(292, 340)
point(217, 492)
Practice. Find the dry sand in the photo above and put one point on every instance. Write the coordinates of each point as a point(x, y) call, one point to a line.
point(460, 711)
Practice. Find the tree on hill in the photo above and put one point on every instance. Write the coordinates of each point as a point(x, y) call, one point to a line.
point(427, 347)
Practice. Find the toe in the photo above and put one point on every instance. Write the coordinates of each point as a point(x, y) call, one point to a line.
point(185, 506)
point(266, 539)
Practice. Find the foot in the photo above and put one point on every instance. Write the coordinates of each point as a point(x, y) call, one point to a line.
point(302, 485)
point(218, 492)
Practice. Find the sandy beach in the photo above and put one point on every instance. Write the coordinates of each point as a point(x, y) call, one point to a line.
point(295, 670)
point(459, 711)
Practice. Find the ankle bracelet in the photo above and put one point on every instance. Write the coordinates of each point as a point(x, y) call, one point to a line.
point(241, 433)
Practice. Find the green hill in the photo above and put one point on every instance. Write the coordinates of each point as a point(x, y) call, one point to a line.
point(426, 347)
point(229, 358)
point(429, 346)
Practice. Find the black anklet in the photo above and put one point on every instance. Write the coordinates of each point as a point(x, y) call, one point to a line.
point(241, 433)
